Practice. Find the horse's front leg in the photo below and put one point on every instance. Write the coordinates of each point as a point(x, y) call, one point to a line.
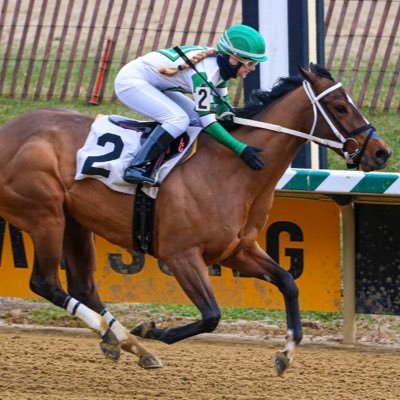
point(257, 263)
point(191, 273)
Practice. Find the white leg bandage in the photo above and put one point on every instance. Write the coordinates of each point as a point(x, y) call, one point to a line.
point(90, 317)
point(119, 331)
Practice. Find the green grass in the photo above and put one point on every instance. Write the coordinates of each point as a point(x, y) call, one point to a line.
point(51, 315)
point(48, 316)
point(41, 312)
point(228, 313)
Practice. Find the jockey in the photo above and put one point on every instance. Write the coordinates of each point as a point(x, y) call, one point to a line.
point(155, 85)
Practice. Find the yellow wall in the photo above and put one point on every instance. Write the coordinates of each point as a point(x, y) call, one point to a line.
point(314, 242)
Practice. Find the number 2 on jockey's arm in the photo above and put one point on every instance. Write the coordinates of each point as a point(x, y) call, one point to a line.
point(202, 98)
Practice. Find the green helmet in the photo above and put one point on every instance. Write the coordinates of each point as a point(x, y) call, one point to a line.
point(242, 41)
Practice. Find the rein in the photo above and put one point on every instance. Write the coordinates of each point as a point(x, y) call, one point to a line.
point(315, 102)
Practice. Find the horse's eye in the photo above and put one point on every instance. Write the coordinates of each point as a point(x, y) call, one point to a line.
point(341, 109)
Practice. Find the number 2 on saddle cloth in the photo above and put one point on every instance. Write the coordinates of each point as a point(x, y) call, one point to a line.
point(177, 146)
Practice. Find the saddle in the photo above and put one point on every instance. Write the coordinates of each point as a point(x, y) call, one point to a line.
point(177, 146)
point(133, 124)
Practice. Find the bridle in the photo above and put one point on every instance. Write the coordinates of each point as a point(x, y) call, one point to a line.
point(352, 158)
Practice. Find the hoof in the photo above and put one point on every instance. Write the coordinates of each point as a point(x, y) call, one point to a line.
point(149, 361)
point(111, 351)
point(281, 363)
point(143, 329)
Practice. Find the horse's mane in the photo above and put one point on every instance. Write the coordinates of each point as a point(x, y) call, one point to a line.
point(259, 99)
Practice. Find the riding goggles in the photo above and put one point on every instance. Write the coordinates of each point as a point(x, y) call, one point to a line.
point(249, 64)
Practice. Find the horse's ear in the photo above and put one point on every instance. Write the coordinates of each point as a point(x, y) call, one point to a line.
point(305, 73)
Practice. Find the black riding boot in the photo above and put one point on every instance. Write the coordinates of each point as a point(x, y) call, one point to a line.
point(139, 170)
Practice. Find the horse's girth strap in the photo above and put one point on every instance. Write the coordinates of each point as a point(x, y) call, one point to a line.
point(143, 222)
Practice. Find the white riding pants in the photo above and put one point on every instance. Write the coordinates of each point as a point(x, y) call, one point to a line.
point(173, 110)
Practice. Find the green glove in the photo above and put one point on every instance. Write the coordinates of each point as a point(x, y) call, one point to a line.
point(247, 153)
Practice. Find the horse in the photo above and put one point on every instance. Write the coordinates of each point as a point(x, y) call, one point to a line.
point(38, 194)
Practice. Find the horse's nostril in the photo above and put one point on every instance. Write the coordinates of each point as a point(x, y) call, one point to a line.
point(383, 154)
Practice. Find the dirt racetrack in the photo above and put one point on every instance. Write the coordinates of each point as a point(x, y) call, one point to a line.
point(52, 366)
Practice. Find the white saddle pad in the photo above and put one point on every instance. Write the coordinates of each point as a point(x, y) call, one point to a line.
point(109, 149)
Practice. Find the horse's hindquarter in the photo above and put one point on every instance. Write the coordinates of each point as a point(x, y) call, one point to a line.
point(37, 140)
point(37, 152)
point(38, 163)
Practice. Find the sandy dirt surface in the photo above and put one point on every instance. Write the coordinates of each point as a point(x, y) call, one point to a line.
point(52, 366)
point(51, 363)
point(64, 360)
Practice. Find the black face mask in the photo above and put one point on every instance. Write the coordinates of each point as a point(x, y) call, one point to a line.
point(226, 70)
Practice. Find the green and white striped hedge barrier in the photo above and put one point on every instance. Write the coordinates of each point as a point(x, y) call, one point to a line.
point(340, 182)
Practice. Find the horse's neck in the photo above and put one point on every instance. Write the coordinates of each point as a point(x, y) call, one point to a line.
point(293, 111)
point(225, 171)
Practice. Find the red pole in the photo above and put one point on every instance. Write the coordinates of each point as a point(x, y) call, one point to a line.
point(99, 81)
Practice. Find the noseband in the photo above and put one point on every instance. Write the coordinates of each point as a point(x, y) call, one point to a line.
point(352, 158)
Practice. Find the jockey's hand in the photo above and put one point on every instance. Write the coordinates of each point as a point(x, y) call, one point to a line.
point(251, 158)
point(224, 113)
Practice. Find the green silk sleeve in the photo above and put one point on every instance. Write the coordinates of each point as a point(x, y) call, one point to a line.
point(219, 133)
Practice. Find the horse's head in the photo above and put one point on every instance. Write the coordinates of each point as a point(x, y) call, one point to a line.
point(343, 121)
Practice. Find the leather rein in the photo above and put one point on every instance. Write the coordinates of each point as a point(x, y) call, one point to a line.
point(352, 158)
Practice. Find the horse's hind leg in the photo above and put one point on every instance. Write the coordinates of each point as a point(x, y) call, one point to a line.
point(256, 262)
point(79, 257)
point(47, 237)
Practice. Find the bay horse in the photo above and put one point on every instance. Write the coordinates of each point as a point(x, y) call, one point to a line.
point(39, 195)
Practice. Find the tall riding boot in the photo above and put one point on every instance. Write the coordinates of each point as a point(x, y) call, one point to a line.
point(139, 170)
